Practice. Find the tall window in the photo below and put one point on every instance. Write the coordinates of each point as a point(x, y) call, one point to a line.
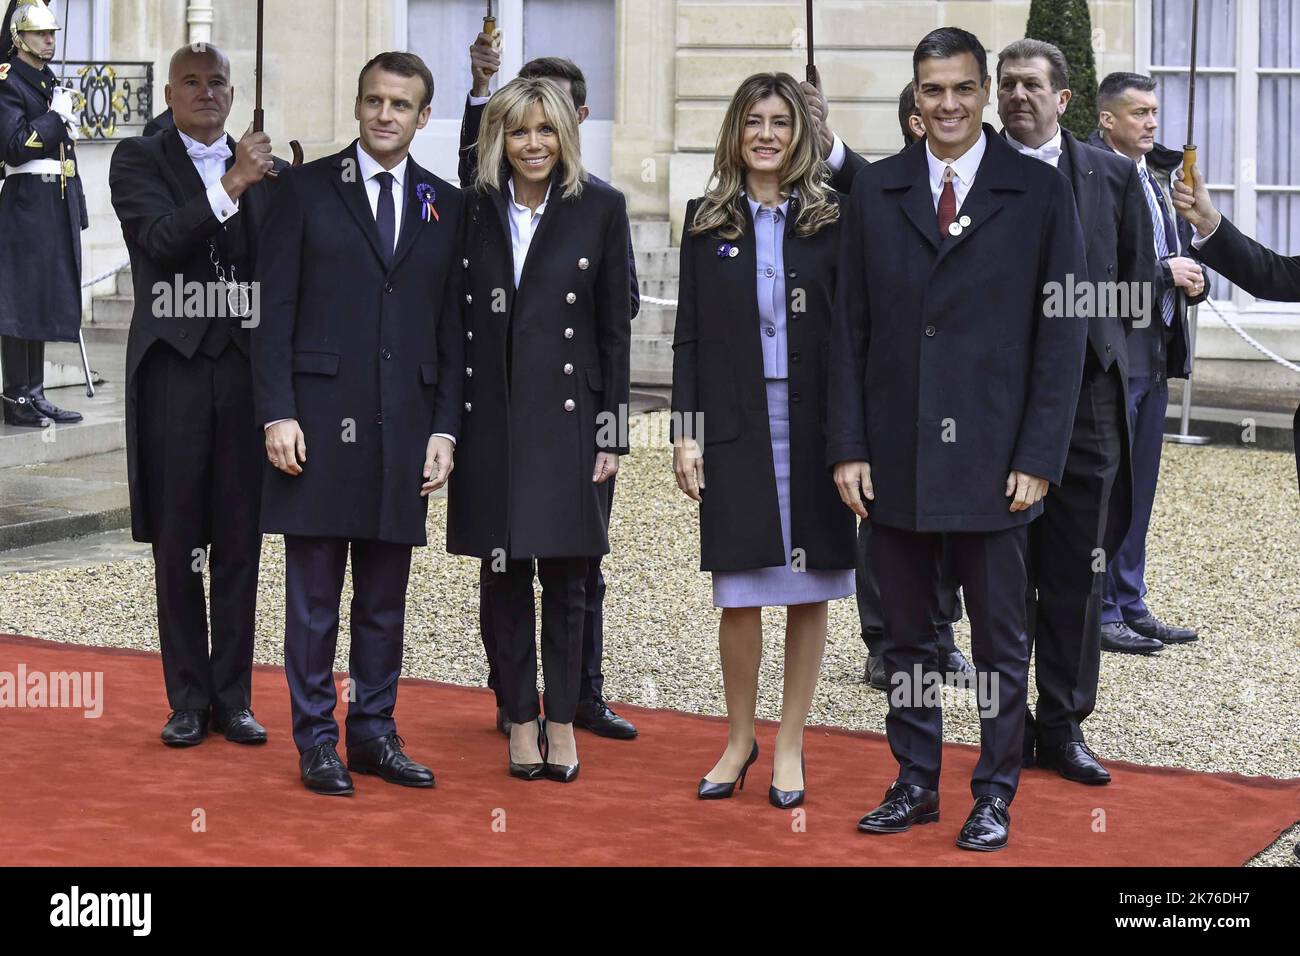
point(1247, 109)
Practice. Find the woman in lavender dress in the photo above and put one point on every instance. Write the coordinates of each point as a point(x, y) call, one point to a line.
point(758, 263)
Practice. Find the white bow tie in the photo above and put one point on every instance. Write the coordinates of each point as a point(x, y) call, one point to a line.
point(1047, 152)
point(218, 150)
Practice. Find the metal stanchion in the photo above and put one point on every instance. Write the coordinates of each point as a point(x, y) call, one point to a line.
point(1184, 436)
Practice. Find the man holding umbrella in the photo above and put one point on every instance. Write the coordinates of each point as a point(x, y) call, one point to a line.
point(42, 213)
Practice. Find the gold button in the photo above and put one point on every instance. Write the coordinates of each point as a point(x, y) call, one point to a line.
point(568, 369)
point(571, 298)
point(568, 405)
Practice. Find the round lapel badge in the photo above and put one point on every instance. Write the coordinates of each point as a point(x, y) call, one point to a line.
point(965, 222)
point(735, 251)
point(954, 229)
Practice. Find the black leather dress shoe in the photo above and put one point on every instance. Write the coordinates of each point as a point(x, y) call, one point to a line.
point(1073, 761)
point(185, 728)
point(1119, 638)
point(987, 827)
point(874, 673)
point(709, 790)
point(595, 715)
point(954, 662)
point(240, 727)
point(323, 771)
point(383, 757)
point(904, 806)
point(1150, 626)
point(18, 409)
point(503, 722)
point(51, 411)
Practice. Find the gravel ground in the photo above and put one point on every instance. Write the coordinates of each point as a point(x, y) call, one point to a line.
point(1222, 557)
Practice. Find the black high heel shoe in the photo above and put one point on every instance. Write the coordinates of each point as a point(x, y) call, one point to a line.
point(531, 771)
point(721, 791)
point(788, 799)
point(560, 773)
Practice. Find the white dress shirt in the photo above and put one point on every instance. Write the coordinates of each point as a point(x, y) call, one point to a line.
point(964, 169)
point(1049, 152)
point(370, 168)
point(211, 166)
point(838, 151)
point(523, 226)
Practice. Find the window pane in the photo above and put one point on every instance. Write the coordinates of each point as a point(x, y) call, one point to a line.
point(1171, 33)
point(1279, 125)
point(441, 32)
point(1215, 121)
point(581, 31)
point(1279, 33)
point(1278, 222)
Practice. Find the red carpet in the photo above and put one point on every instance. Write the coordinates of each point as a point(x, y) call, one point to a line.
point(105, 791)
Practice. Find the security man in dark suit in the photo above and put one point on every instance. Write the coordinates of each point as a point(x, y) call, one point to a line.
point(191, 201)
point(358, 370)
point(1158, 350)
point(953, 390)
point(42, 213)
point(1085, 519)
point(593, 713)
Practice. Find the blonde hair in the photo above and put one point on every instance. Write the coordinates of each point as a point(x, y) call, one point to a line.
point(804, 169)
point(505, 112)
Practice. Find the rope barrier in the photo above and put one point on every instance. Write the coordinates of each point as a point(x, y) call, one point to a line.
point(111, 272)
point(1263, 349)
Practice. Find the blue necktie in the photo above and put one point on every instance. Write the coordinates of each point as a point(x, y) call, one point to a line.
point(385, 217)
point(1161, 229)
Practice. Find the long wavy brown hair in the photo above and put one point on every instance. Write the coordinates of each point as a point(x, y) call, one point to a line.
point(804, 170)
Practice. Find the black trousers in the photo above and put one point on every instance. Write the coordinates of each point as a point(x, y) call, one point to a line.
point(508, 595)
point(22, 362)
point(947, 601)
point(1069, 545)
point(201, 461)
point(990, 568)
point(592, 680)
point(313, 578)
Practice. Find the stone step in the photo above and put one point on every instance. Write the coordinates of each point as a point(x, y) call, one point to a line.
point(658, 288)
point(652, 359)
point(124, 282)
point(111, 311)
point(51, 501)
point(651, 233)
point(655, 320)
point(656, 263)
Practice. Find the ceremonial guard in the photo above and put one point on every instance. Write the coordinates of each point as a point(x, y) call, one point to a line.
point(42, 213)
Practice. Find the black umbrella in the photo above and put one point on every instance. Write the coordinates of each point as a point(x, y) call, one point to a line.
point(259, 116)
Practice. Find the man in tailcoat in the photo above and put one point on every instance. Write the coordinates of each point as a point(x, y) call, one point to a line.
point(42, 213)
point(190, 201)
point(1086, 517)
point(358, 371)
point(952, 392)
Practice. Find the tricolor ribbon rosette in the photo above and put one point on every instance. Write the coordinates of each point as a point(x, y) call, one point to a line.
point(426, 195)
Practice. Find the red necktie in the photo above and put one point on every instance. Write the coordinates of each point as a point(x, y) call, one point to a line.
point(947, 203)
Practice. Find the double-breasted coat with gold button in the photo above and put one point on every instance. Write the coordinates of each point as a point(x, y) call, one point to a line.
point(546, 366)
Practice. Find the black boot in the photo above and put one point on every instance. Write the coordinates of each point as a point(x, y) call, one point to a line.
point(19, 409)
point(47, 408)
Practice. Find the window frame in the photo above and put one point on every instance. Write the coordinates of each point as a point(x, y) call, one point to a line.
point(1244, 187)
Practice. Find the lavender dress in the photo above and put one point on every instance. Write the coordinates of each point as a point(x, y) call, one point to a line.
point(776, 586)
